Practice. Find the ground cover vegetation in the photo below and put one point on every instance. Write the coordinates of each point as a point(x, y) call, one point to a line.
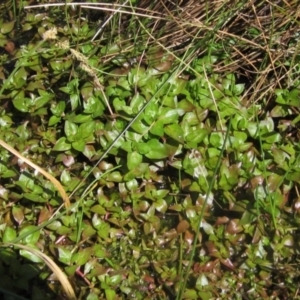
point(149, 149)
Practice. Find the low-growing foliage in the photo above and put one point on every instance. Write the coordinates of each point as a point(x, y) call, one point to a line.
point(138, 169)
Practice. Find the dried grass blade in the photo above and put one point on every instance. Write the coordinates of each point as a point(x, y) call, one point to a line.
point(54, 181)
point(52, 265)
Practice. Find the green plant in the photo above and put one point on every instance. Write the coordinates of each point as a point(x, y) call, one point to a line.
point(168, 154)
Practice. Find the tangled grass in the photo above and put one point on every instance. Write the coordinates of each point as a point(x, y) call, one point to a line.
point(178, 148)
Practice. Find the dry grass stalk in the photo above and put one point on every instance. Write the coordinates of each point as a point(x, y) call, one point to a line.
point(54, 181)
point(257, 36)
point(67, 287)
point(84, 65)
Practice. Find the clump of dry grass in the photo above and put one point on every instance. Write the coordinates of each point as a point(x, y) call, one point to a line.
point(252, 38)
point(256, 40)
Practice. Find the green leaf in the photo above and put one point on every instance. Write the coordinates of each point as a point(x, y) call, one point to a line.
point(110, 294)
point(139, 171)
point(32, 235)
point(133, 160)
point(139, 126)
point(157, 150)
point(70, 270)
point(205, 295)
point(296, 120)
point(65, 177)
point(206, 100)
point(143, 148)
point(137, 103)
point(81, 257)
point(293, 176)
point(65, 89)
point(70, 129)
point(271, 138)
point(89, 151)
point(7, 27)
point(132, 185)
point(64, 255)
point(161, 205)
point(53, 120)
point(58, 66)
point(216, 139)
point(86, 130)
point(167, 115)
point(99, 251)
point(63, 230)
point(22, 105)
point(35, 197)
point(186, 105)
point(291, 98)
point(123, 82)
point(118, 104)
point(30, 256)
point(81, 118)
point(62, 145)
point(238, 89)
point(103, 230)
point(9, 234)
point(92, 296)
point(114, 176)
point(190, 294)
point(42, 100)
point(274, 181)
point(74, 99)
point(93, 106)
point(18, 214)
point(157, 128)
point(79, 145)
point(98, 209)
point(280, 157)
point(6, 173)
point(19, 78)
point(197, 136)
point(150, 112)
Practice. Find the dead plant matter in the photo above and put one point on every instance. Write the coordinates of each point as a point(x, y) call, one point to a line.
point(252, 38)
point(249, 30)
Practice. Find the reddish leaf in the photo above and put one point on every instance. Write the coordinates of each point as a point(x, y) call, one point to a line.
point(18, 214)
point(44, 215)
point(182, 226)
